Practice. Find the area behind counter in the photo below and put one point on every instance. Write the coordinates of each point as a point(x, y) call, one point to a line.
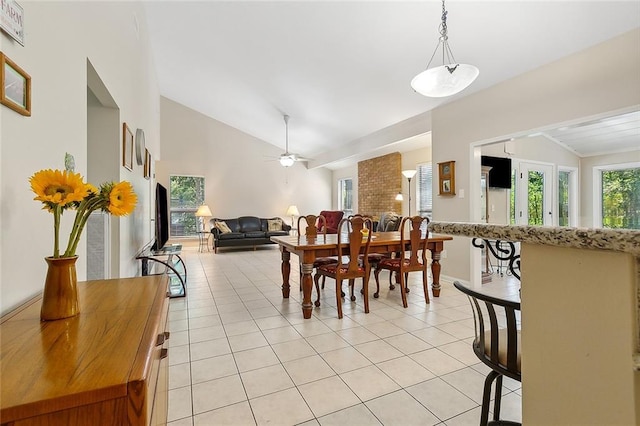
point(580, 333)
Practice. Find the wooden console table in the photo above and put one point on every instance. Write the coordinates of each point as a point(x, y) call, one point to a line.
point(106, 366)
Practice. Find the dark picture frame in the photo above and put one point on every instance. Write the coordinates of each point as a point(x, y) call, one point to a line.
point(127, 147)
point(15, 86)
point(447, 178)
point(147, 164)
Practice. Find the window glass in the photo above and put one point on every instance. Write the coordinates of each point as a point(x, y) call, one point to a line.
point(621, 198)
point(187, 194)
point(563, 198)
point(345, 196)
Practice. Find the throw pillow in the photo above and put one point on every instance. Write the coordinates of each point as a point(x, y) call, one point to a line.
point(274, 224)
point(223, 227)
point(392, 223)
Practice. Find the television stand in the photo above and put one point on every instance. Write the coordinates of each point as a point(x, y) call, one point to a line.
point(166, 261)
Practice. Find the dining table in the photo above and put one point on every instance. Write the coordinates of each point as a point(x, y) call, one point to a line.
point(309, 248)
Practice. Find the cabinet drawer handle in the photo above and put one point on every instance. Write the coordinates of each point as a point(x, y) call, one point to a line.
point(164, 353)
point(161, 339)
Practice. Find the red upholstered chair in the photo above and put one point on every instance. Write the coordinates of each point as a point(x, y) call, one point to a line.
point(352, 265)
point(408, 261)
point(333, 218)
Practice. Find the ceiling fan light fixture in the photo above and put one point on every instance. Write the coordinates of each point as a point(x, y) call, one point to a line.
point(286, 161)
point(449, 78)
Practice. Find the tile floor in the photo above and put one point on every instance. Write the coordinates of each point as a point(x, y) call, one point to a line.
point(240, 354)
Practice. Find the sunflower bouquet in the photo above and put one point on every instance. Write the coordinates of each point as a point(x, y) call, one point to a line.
point(65, 190)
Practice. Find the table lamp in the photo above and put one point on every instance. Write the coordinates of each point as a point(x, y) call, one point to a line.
point(203, 211)
point(293, 211)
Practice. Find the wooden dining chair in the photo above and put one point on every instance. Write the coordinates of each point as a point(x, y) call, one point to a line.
point(413, 231)
point(314, 226)
point(374, 258)
point(497, 344)
point(351, 244)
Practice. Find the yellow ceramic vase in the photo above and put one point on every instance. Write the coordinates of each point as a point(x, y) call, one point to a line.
point(60, 297)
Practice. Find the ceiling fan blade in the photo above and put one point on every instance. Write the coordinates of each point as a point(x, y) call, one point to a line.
point(298, 157)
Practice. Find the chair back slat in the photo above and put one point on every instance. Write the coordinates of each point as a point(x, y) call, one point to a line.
point(415, 228)
point(351, 241)
point(313, 225)
point(493, 320)
point(512, 340)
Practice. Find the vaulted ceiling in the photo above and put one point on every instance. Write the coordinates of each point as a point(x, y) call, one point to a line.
point(341, 69)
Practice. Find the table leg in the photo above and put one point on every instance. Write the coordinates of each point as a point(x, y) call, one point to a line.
point(435, 272)
point(307, 286)
point(286, 270)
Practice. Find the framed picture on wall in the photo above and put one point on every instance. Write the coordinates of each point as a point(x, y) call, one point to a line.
point(447, 178)
point(15, 86)
point(127, 147)
point(147, 164)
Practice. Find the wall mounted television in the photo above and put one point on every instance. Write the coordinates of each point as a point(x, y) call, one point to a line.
point(162, 217)
point(500, 173)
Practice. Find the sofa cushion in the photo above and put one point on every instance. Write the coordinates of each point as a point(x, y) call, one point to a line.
point(274, 224)
point(223, 227)
point(249, 224)
point(255, 234)
point(277, 233)
point(232, 236)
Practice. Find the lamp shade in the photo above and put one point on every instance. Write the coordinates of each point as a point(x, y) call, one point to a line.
point(204, 211)
point(399, 197)
point(409, 173)
point(293, 211)
point(441, 81)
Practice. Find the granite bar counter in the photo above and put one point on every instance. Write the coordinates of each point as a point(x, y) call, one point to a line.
point(580, 297)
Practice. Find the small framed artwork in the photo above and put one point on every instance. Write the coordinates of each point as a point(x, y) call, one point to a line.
point(127, 147)
point(15, 86)
point(447, 178)
point(147, 164)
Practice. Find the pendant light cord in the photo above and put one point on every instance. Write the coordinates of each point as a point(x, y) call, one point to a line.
point(447, 54)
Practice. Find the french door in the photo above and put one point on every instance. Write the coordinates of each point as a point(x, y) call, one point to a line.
point(534, 190)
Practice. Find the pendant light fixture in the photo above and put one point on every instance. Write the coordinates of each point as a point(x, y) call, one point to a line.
point(449, 78)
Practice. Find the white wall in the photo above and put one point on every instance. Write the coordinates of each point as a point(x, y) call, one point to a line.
point(242, 174)
point(572, 88)
point(60, 38)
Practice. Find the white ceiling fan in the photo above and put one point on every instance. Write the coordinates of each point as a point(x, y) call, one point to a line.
point(287, 159)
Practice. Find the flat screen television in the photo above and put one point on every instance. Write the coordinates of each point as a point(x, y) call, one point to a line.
point(500, 173)
point(162, 217)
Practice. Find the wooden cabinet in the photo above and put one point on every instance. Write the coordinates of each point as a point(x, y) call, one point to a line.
point(106, 366)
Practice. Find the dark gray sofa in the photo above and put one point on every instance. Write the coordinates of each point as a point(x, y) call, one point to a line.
point(245, 231)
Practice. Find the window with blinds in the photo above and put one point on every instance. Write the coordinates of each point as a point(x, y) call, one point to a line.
point(424, 188)
point(345, 196)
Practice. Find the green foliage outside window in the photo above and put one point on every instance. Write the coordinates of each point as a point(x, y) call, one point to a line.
point(187, 194)
point(563, 198)
point(621, 198)
point(536, 198)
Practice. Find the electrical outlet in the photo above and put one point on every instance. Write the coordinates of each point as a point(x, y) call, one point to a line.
point(443, 254)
